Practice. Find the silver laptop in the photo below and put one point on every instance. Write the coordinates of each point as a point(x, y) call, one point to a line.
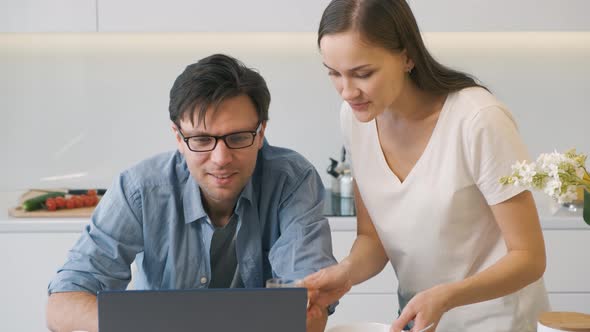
point(203, 310)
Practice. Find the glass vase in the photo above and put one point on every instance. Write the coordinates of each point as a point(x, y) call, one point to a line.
point(586, 212)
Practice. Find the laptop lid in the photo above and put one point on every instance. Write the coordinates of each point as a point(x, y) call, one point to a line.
point(219, 310)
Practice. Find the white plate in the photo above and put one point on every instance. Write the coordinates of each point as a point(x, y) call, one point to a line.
point(360, 327)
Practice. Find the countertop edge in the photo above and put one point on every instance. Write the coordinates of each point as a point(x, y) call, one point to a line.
point(551, 215)
point(337, 224)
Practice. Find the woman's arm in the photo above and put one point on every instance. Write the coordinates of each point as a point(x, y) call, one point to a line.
point(366, 258)
point(523, 264)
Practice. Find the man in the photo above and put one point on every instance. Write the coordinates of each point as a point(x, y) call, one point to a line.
point(225, 210)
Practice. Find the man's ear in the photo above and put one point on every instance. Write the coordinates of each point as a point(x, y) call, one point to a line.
point(179, 140)
point(260, 135)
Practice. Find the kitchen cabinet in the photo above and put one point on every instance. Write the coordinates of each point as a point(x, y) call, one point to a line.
point(47, 16)
point(501, 15)
point(29, 260)
point(31, 250)
point(210, 16)
point(289, 16)
point(566, 276)
point(278, 15)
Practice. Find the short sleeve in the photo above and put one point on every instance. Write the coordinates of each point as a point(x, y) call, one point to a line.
point(494, 144)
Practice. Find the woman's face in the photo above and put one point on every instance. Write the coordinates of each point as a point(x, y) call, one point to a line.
point(369, 78)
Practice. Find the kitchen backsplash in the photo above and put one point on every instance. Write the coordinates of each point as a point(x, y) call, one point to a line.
point(78, 108)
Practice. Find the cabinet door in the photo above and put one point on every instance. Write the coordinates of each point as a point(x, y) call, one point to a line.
point(47, 16)
point(354, 308)
point(502, 15)
point(29, 261)
point(567, 270)
point(210, 16)
point(383, 283)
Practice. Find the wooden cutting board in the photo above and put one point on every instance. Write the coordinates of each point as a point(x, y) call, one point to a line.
point(18, 212)
point(566, 321)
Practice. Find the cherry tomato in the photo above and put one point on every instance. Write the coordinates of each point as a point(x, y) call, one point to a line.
point(60, 202)
point(91, 192)
point(50, 204)
point(70, 203)
point(87, 200)
point(78, 203)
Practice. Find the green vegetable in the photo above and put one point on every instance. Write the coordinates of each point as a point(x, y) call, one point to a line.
point(36, 203)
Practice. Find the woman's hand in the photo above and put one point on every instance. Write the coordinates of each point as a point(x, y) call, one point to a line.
point(316, 319)
point(425, 308)
point(327, 286)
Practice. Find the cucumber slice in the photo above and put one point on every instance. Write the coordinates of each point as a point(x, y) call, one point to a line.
point(36, 203)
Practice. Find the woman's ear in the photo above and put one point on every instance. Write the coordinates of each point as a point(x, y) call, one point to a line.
point(408, 62)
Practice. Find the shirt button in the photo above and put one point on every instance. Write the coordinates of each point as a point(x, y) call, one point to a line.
point(203, 280)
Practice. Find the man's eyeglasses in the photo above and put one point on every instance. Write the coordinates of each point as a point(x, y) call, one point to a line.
point(205, 143)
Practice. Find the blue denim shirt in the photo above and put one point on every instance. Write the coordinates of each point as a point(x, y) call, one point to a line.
point(153, 211)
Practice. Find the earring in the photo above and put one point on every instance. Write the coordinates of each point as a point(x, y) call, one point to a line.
point(409, 70)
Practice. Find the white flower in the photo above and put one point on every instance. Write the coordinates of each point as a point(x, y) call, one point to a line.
point(552, 187)
point(527, 172)
point(558, 175)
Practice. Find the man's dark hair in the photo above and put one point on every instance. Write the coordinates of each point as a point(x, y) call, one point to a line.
point(212, 80)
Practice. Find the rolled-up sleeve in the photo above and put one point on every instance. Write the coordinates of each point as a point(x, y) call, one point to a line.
point(305, 243)
point(102, 256)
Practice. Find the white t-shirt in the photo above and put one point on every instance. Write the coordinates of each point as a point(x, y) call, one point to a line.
point(436, 226)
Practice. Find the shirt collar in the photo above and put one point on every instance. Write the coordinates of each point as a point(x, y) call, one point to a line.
point(191, 201)
point(193, 205)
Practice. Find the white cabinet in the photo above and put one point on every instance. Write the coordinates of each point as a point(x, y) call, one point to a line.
point(289, 15)
point(32, 250)
point(210, 16)
point(568, 270)
point(384, 282)
point(354, 308)
point(567, 275)
point(47, 16)
point(278, 15)
point(374, 300)
point(502, 15)
point(29, 261)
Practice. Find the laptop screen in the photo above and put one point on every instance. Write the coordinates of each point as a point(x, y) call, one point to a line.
point(203, 310)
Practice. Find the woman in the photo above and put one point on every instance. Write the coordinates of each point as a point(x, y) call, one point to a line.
point(428, 146)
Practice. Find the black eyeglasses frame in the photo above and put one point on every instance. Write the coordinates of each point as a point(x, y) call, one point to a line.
point(222, 137)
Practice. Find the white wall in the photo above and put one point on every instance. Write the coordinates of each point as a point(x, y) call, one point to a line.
point(278, 15)
point(93, 104)
point(210, 16)
point(501, 15)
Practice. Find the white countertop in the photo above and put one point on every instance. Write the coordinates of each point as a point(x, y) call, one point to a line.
point(561, 219)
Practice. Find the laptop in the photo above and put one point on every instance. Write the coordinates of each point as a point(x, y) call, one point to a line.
point(203, 310)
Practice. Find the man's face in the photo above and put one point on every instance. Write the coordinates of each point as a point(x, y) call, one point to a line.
point(223, 172)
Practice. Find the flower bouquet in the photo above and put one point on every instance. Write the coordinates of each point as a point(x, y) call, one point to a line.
point(559, 175)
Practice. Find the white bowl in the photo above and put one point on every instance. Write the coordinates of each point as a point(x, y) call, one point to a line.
point(360, 327)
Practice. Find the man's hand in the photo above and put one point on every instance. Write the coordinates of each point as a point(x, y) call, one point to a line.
point(71, 311)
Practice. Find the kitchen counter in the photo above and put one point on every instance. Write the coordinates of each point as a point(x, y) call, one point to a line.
point(9, 224)
point(37, 247)
point(551, 218)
